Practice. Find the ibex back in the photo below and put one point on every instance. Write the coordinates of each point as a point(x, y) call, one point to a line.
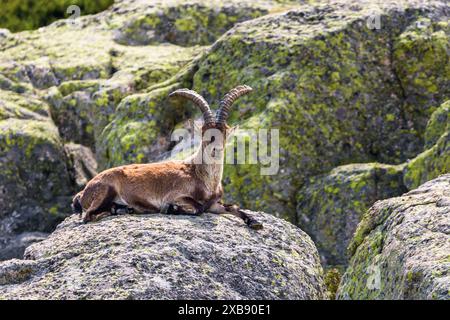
point(190, 186)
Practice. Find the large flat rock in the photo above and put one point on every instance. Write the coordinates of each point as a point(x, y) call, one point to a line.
point(167, 257)
point(401, 249)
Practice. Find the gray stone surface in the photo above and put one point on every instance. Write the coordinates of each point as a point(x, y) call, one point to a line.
point(330, 206)
point(401, 249)
point(167, 257)
point(82, 164)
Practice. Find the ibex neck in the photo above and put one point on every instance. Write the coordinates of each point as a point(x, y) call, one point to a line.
point(210, 173)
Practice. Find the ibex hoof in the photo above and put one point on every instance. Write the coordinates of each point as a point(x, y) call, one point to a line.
point(120, 209)
point(255, 225)
point(169, 208)
point(85, 218)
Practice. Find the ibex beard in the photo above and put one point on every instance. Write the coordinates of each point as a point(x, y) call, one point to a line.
point(191, 186)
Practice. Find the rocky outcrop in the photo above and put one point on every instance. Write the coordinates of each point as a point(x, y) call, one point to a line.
point(340, 89)
point(82, 164)
point(401, 248)
point(187, 23)
point(438, 125)
point(337, 88)
point(331, 206)
point(167, 257)
point(61, 85)
point(435, 159)
point(13, 244)
point(33, 181)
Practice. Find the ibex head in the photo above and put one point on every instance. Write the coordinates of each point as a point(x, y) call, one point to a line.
point(215, 129)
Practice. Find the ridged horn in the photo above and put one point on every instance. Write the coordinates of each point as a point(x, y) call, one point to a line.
point(198, 100)
point(228, 100)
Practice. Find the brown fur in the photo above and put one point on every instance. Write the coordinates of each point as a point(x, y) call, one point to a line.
point(144, 187)
point(186, 185)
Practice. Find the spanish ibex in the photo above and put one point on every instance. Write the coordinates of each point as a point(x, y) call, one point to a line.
point(190, 186)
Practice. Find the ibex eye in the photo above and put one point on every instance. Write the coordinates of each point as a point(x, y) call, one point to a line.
point(213, 139)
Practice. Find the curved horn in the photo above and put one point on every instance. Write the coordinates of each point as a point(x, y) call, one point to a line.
point(196, 99)
point(228, 100)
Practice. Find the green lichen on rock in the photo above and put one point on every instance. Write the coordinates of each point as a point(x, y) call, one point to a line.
point(82, 109)
point(32, 166)
point(74, 112)
point(141, 128)
point(7, 84)
point(330, 206)
point(187, 24)
point(438, 124)
point(328, 82)
point(56, 54)
point(85, 50)
point(338, 90)
point(400, 249)
point(422, 64)
point(23, 105)
point(332, 279)
point(435, 160)
point(34, 178)
point(34, 183)
point(112, 106)
point(429, 164)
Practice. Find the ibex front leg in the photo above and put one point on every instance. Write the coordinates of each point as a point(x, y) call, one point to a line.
point(182, 206)
point(233, 209)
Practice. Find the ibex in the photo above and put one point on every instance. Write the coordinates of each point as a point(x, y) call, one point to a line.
point(190, 186)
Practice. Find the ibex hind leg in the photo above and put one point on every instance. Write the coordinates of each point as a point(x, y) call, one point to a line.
point(141, 206)
point(220, 208)
point(101, 204)
point(177, 209)
point(249, 220)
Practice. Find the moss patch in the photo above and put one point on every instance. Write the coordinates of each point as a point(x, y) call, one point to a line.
point(331, 206)
point(329, 84)
point(32, 163)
